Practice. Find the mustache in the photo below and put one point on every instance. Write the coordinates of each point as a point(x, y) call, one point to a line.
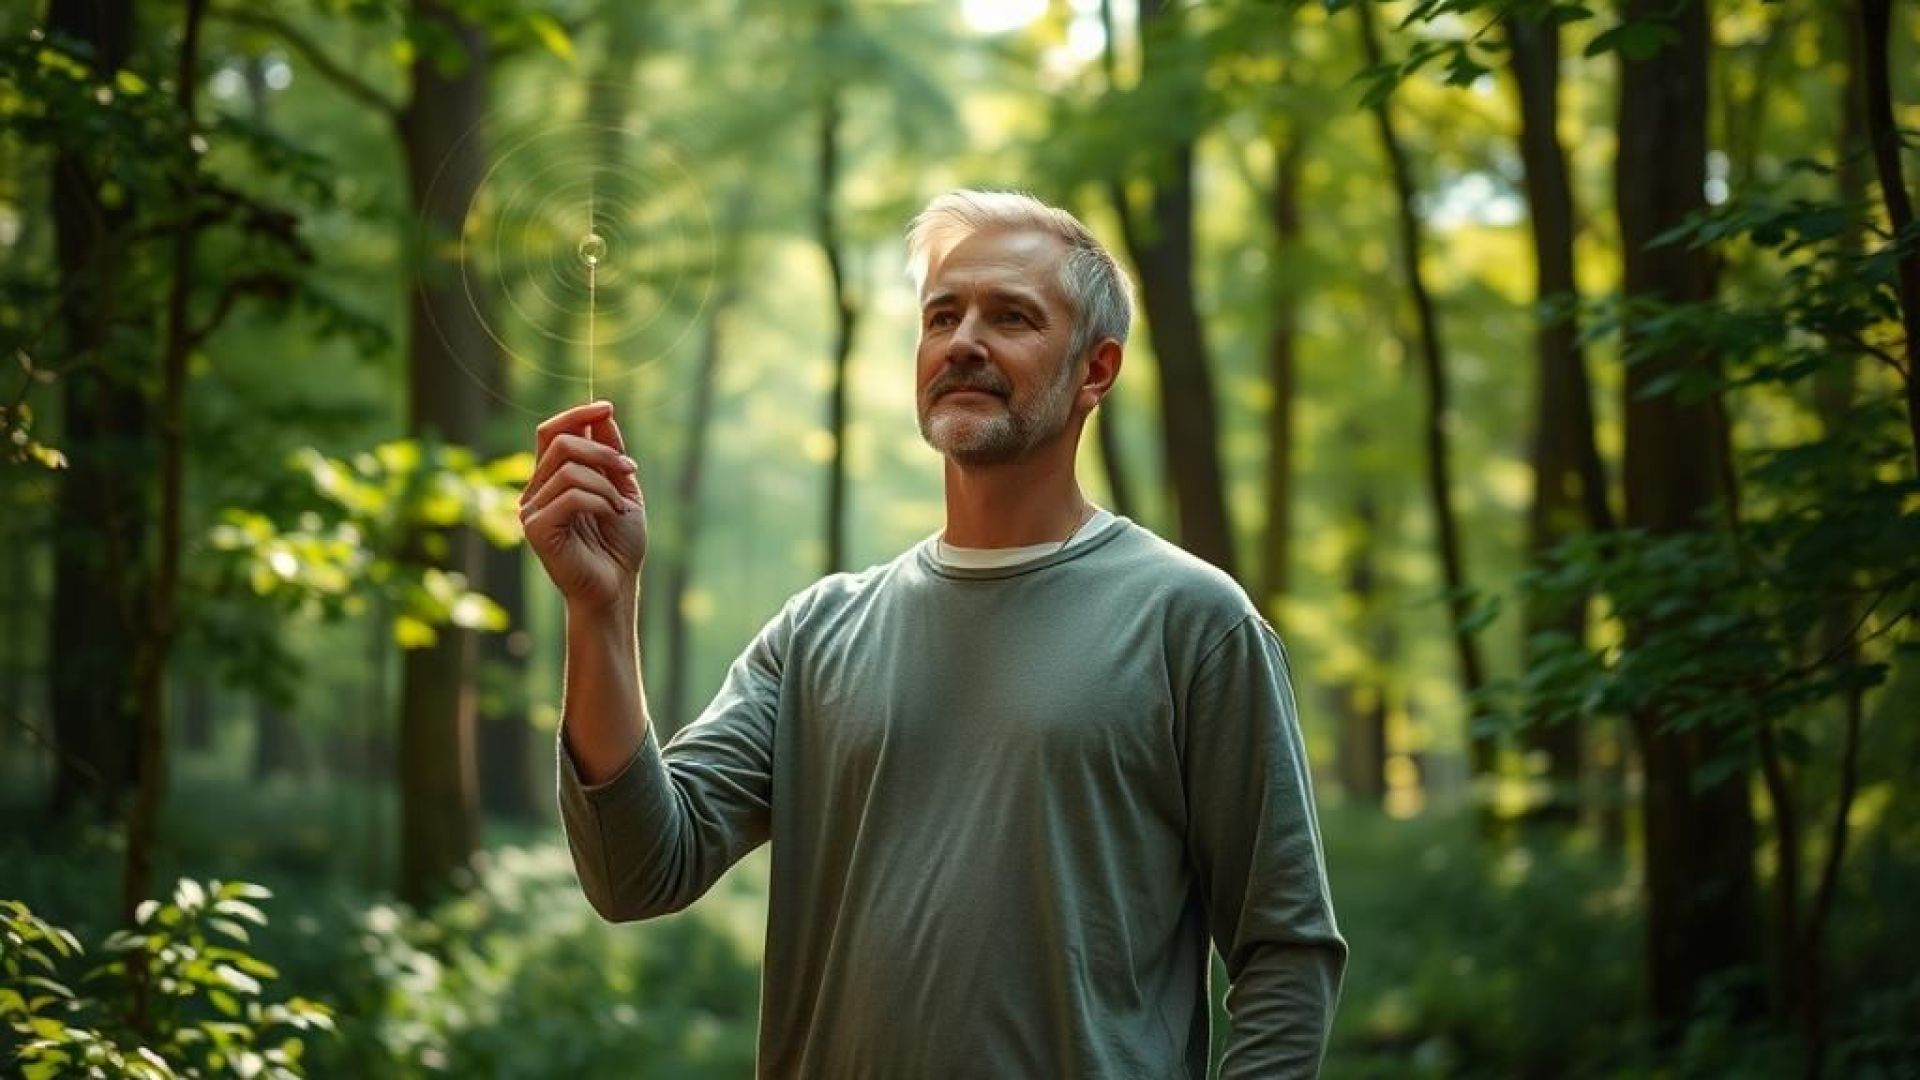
point(985, 380)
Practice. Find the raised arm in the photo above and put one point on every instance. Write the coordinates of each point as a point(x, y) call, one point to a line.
point(586, 519)
point(649, 831)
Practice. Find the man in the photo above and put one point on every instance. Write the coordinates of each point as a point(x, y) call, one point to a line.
point(1013, 779)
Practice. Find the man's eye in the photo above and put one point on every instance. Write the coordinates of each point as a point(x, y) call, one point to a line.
point(1015, 318)
point(940, 319)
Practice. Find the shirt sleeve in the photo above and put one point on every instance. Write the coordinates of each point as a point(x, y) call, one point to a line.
point(656, 836)
point(1256, 846)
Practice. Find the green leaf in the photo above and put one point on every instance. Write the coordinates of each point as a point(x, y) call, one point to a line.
point(551, 34)
point(240, 909)
point(412, 633)
point(1636, 40)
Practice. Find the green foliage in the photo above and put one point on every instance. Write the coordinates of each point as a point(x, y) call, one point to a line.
point(518, 978)
point(1733, 626)
point(188, 960)
point(1474, 961)
point(374, 515)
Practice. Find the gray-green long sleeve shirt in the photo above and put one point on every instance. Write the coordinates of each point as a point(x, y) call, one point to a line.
point(1007, 809)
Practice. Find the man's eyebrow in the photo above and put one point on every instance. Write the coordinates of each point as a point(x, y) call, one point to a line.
point(1002, 293)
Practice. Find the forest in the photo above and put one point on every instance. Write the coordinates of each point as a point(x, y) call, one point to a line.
point(1546, 371)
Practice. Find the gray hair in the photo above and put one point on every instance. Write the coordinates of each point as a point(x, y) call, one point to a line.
point(1091, 277)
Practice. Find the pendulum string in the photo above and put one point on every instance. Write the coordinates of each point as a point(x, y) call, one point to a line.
point(590, 251)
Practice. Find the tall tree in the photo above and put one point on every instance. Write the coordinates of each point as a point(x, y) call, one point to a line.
point(162, 585)
point(688, 512)
point(445, 150)
point(1570, 484)
point(101, 515)
point(442, 134)
point(1161, 243)
point(1875, 21)
point(1362, 702)
point(1283, 215)
point(1700, 884)
point(1433, 369)
point(827, 231)
point(1106, 420)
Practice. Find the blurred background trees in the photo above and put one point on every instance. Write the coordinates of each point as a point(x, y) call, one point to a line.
point(1547, 371)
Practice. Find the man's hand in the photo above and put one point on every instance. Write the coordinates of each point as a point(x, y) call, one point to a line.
point(583, 512)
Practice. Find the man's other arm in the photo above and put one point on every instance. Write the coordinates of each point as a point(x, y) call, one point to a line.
point(1256, 844)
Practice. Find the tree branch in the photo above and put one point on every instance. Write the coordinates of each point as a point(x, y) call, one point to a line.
point(328, 68)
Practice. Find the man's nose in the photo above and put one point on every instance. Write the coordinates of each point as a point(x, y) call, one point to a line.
point(964, 344)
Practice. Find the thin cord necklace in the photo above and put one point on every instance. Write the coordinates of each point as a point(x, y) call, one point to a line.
point(1088, 516)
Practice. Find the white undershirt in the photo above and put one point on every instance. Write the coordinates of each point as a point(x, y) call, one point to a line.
point(965, 558)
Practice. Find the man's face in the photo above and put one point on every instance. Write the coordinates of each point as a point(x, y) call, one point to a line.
point(993, 379)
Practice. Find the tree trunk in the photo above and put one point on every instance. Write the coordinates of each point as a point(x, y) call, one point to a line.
point(1803, 982)
point(693, 458)
point(1106, 433)
point(1106, 421)
point(17, 659)
point(1570, 488)
point(1433, 368)
point(157, 631)
point(1362, 704)
point(1162, 250)
point(505, 742)
point(101, 514)
point(1875, 19)
point(826, 225)
point(1701, 917)
point(445, 148)
point(1283, 211)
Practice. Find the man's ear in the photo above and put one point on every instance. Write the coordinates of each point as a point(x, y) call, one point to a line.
point(1103, 367)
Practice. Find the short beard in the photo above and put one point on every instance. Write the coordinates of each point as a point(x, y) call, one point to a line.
point(975, 441)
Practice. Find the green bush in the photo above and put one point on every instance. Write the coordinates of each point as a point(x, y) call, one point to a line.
point(181, 995)
point(518, 978)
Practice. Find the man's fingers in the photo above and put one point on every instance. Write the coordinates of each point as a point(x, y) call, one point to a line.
point(608, 432)
point(572, 476)
point(572, 421)
point(566, 506)
point(566, 448)
point(629, 481)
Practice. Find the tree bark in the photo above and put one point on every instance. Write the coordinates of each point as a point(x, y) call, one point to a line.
point(1283, 211)
point(1570, 487)
point(1434, 370)
point(1113, 461)
point(1162, 249)
point(161, 626)
point(445, 150)
point(101, 514)
point(1875, 19)
point(1804, 980)
point(1362, 704)
point(1106, 421)
point(505, 742)
point(826, 226)
point(1701, 917)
